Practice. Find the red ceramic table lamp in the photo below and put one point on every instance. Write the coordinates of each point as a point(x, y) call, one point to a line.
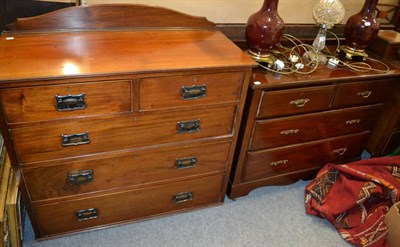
point(360, 31)
point(263, 31)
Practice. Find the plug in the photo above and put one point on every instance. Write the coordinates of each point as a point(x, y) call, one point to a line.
point(293, 58)
point(333, 63)
point(299, 66)
point(279, 65)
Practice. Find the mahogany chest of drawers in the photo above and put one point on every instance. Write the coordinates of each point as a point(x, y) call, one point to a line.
point(110, 127)
point(293, 125)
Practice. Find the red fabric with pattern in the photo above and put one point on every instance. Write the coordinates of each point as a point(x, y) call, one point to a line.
point(355, 197)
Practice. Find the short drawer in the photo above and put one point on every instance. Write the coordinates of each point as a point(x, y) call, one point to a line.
point(360, 93)
point(86, 136)
point(190, 90)
point(313, 126)
point(129, 170)
point(94, 212)
point(31, 104)
point(281, 161)
point(294, 101)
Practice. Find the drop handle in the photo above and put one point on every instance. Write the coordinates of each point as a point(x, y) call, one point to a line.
point(279, 162)
point(340, 151)
point(290, 132)
point(299, 102)
point(365, 94)
point(353, 121)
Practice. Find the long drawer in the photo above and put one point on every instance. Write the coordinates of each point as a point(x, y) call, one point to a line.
point(71, 138)
point(189, 90)
point(129, 170)
point(280, 161)
point(108, 209)
point(31, 104)
point(309, 127)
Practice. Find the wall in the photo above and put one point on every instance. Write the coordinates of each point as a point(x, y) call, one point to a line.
point(237, 11)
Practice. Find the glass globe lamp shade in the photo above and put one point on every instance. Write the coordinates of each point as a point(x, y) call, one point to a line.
point(326, 14)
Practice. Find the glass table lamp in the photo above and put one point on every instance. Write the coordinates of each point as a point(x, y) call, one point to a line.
point(326, 13)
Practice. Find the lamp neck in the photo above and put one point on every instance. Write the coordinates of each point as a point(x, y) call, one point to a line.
point(369, 6)
point(270, 5)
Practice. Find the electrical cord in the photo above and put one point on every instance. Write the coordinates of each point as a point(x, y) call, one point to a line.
point(294, 63)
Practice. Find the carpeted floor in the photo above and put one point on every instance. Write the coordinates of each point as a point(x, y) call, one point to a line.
point(268, 216)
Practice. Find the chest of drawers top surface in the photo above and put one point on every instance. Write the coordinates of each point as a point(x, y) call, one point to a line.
point(322, 76)
point(80, 54)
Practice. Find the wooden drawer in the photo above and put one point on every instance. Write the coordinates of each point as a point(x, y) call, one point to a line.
point(280, 161)
point(314, 126)
point(294, 101)
point(190, 90)
point(361, 93)
point(110, 133)
point(128, 205)
point(134, 169)
point(31, 104)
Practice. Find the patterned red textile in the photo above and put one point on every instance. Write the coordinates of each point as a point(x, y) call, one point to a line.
point(355, 197)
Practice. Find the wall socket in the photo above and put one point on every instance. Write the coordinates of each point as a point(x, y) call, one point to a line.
point(83, 2)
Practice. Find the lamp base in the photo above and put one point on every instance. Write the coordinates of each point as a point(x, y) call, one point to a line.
point(347, 53)
point(315, 57)
point(266, 58)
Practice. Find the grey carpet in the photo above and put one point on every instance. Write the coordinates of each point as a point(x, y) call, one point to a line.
point(268, 216)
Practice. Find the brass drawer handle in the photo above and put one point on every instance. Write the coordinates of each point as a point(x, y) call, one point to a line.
point(364, 94)
point(87, 214)
point(70, 102)
point(75, 139)
point(80, 177)
point(340, 151)
point(188, 126)
point(182, 197)
point(299, 102)
point(353, 121)
point(193, 92)
point(290, 132)
point(186, 163)
point(279, 163)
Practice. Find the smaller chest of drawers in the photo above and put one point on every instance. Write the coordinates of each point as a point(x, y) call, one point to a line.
point(292, 127)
